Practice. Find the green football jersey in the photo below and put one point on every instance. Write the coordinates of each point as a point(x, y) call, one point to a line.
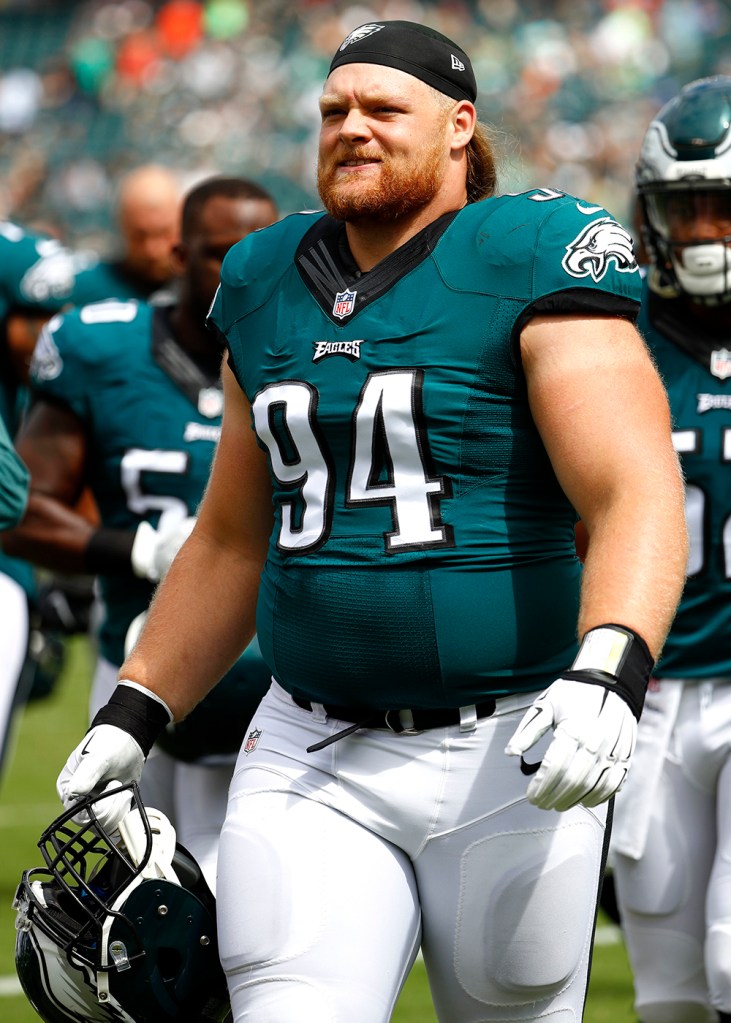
point(13, 482)
point(423, 552)
point(696, 367)
point(152, 419)
point(102, 279)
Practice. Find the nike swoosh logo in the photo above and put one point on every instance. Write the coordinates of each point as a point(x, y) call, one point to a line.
point(589, 210)
point(86, 748)
point(528, 768)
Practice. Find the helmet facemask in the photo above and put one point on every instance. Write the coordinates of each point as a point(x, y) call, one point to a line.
point(696, 259)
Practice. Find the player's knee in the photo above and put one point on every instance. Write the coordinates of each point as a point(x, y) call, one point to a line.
point(537, 894)
point(676, 1012)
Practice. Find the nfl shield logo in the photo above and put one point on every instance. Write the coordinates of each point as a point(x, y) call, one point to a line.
point(721, 363)
point(210, 402)
point(251, 740)
point(344, 303)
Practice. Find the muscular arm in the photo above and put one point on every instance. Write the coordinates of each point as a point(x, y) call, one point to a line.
point(21, 331)
point(203, 614)
point(53, 533)
point(603, 416)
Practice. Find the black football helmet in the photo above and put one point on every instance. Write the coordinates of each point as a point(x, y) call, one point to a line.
point(683, 179)
point(120, 927)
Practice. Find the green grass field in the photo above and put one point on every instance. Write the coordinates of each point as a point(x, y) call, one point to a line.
point(46, 733)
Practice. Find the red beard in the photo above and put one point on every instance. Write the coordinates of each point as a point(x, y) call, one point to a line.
point(401, 186)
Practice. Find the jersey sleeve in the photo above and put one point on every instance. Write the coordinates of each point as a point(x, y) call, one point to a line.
point(253, 269)
point(215, 318)
point(226, 305)
point(544, 252)
point(72, 348)
point(14, 479)
point(57, 371)
point(584, 259)
point(233, 295)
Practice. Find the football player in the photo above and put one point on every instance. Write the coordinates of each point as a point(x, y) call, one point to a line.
point(126, 398)
point(37, 277)
point(13, 499)
point(671, 846)
point(148, 227)
point(438, 378)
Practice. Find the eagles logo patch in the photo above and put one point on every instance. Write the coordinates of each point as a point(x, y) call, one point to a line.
point(600, 243)
point(360, 33)
point(46, 362)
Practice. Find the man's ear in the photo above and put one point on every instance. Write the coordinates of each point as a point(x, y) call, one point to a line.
point(179, 257)
point(464, 119)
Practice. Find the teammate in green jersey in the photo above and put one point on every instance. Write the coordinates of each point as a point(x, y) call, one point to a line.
point(37, 277)
point(671, 847)
point(438, 379)
point(126, 398)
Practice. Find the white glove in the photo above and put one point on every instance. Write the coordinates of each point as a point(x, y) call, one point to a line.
point(154, 550)
point(107, 756)
point(588, 758)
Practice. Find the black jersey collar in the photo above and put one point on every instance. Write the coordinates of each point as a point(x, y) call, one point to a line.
point(329, 272)
point(200, 386)
point(672, 318)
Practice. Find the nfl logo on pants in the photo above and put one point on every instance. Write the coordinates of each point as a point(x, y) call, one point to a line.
point(251, 740)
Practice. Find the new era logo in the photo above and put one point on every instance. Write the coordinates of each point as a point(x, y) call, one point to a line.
point(457, 64)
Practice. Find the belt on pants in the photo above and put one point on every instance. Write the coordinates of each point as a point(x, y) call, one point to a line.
point(408, 721)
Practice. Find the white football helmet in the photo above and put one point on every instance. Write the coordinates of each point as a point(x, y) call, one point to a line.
point(683, 180)
point(118, 927)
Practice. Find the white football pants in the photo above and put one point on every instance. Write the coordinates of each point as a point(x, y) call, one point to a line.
point(192, 796)
point(675, 898)
point(14, 626)
point(335, 866)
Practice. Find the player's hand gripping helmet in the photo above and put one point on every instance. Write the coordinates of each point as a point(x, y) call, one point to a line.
point(118, 928)
point(683, 179)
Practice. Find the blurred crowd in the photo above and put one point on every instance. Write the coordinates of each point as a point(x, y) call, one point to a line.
point(89, 90)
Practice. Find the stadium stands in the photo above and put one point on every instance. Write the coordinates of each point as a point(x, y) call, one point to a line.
point(89, 89)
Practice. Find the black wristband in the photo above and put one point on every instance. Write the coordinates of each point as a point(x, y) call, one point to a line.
point(109, 552)
point(143, 717)
point(621, 662)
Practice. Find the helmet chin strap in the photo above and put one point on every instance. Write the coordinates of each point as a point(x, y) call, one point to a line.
point(156, 861)
point(159, 862)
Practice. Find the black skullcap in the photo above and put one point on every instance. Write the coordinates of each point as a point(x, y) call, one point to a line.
point(415, 49)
